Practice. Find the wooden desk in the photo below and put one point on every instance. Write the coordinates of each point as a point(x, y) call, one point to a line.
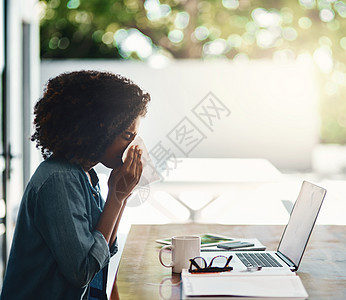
point(141, 276)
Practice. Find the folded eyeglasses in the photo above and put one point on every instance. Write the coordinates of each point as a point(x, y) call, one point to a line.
point(217, 264)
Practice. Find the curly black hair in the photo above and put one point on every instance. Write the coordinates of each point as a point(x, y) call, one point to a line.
point(82, 112)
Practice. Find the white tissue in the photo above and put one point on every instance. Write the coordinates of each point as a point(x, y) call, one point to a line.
point(149, 175)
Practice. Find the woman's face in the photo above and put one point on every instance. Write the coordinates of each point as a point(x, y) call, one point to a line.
point(112, 158)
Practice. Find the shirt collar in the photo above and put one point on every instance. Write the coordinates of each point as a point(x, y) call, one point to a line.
point(94, 177)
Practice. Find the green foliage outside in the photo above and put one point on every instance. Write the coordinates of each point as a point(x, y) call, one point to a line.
point(244, 29)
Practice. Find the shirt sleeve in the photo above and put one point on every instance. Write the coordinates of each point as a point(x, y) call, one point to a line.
point(61, 216)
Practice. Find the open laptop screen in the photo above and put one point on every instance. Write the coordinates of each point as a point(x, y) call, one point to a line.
point(302, 221)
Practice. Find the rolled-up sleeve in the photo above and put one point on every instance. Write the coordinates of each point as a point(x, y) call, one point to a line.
point(100, 249)
point(62, 218)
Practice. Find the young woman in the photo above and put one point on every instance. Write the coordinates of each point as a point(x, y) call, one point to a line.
point(65, 232)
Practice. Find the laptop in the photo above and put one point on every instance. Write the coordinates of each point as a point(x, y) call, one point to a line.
point(293, 240)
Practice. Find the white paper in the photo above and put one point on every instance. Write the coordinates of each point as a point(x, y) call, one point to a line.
point(287, 287)
point(149, 175)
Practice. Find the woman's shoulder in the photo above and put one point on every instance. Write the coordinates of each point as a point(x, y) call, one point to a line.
point(57, 169)
point(53, 165)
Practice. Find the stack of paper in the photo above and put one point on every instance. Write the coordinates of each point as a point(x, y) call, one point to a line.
point(245, 285)
point(258, 246)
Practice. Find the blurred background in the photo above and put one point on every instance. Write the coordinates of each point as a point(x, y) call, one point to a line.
point(251, 79)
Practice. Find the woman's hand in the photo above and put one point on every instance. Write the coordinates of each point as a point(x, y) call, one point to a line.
point(122, 181)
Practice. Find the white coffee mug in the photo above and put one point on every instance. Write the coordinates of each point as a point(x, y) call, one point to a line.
point(183, 248)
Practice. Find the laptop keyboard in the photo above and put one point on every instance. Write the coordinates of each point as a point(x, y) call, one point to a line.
point(258, 259)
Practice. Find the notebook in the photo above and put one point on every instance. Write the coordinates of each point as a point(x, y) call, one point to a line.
point(294, 238)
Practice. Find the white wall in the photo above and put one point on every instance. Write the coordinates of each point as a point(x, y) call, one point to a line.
point(273, 105)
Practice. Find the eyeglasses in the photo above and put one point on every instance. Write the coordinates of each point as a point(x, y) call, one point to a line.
point(217, 264)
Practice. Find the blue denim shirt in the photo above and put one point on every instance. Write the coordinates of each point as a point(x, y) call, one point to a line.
point(56, 251)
